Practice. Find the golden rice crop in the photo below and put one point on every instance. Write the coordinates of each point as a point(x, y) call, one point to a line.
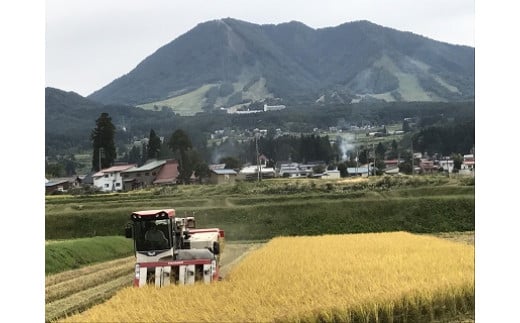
point(353, 277)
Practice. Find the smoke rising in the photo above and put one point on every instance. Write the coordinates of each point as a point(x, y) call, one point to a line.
point(346, 145)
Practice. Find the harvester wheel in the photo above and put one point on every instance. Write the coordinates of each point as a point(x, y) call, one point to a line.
point(216, 248)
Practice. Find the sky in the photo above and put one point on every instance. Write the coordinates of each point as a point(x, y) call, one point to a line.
point(89, 43)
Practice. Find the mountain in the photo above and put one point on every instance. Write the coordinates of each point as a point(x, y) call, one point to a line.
point(228, 62)
point(70, 118)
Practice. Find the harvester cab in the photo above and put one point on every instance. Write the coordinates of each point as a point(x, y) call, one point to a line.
point(170, 250)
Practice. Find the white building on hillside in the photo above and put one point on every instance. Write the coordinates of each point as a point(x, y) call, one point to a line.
point(273, 107)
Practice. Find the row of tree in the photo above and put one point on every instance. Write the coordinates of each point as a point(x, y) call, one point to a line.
point(439, 135)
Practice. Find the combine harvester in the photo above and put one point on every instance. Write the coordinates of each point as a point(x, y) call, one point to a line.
point(170, 250)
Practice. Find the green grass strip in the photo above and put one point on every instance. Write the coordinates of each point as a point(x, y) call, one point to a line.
point(72, 254)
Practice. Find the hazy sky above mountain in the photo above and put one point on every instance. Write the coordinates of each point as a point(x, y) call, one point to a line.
point(89, 43)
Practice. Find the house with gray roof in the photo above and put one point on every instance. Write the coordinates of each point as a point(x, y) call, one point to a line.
point(143, 176)
point(222, 176)
point(61, 184)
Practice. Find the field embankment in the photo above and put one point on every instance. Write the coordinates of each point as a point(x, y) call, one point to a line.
point(256, 211)
point(349, 278)
point(71, 254)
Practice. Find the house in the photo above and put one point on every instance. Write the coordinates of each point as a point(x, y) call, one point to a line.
point(332, 174)
point(222, 176)
point(309, 167)
point(168, 173)
point(253, 172)
point(358, 171)
point(55, 187)
point(111, 179)
point(468, 165)
point(292, 170)
point(393, 170)
point(468, 162)
point(446, 164)
point(87, 180)
point(392, 166)
point(61, 184)
point(390, 163)
point(217, 166)
point(143, 176)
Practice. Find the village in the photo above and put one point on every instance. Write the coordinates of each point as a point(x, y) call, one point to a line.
point(127, 177)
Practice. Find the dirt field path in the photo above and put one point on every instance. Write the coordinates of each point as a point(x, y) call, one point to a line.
point(233, 254)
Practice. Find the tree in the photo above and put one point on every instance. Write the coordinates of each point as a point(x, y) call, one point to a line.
point(405, 167)
point(364, 155)
point(231, 162)
point(144, 153)
point(380, 151)
point(165, 152)
point(54, 170)
point(154, 145)
point(394, 152)
point(180, 142)
point(394, 146)
point(457, 162)
point(102, 138)
point(342, 167)
point(200, 167)
point(380, 167)
point(134, 156)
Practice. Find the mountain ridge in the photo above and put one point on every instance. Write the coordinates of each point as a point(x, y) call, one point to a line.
point(216, 63)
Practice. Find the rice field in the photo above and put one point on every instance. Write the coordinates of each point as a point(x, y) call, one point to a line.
point(372, 277)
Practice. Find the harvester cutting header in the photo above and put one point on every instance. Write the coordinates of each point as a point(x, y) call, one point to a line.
point(170, 250)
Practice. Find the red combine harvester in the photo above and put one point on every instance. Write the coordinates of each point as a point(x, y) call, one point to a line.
point(170, 250)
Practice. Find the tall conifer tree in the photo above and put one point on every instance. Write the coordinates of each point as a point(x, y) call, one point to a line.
point(102, 138)
point(154, 145)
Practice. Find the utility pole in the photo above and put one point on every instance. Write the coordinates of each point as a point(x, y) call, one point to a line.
point(357, 158)
point(357, 153)
point(367, 154)
point(257, 157)
point(374, 167)
point(413, 169)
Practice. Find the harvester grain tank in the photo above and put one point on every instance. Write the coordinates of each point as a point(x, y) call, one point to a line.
point(171, 250)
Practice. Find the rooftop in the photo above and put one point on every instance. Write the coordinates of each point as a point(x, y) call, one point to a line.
point(358, 170)
point(224, 172)
point(168, 173)
point(147, 167)
point(113, 169)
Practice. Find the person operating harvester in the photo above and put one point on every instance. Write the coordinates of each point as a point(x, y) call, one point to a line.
point(155, 235)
